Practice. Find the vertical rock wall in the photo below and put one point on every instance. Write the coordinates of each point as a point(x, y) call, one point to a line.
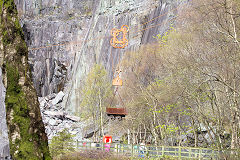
point(4, 142)
point(74, 23)
point(83, 30)
point(139, 15)
point(51, 22)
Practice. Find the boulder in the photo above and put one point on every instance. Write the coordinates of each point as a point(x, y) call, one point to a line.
point(58, 98)
point(52, 122)
point(56, 119)
point(73, 132)
point(42, 102)
point(59, 122)
point(73, 118)
point(67, 125)
point(50, 96)
point(53, 113)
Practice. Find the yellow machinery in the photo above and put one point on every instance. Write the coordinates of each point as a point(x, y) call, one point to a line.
point(115, 42)
point(116, 112)
point(117, 81)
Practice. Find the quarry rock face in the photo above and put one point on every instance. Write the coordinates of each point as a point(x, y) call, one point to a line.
point(66, 37)
point(138, 15)
point(45, 23)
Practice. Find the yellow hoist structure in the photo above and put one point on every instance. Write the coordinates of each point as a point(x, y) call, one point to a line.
point(115, 42)
point(117, 81)
point(118, 112)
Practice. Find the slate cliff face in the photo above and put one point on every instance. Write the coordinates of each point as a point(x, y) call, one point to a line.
point(66, 37)
point(4, 146)
point(82, 28)
point(107, 16)
point(52, 22)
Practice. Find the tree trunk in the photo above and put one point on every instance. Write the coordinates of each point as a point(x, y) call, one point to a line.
point(234, 141)
point(26, 130)
point(101, 113)
point(154, 125)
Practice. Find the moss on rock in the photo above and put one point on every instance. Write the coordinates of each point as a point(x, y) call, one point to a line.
point(27, 135)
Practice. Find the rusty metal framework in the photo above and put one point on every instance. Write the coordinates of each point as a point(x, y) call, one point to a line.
point(114, 112)
point(115, 42)
point(117, 34)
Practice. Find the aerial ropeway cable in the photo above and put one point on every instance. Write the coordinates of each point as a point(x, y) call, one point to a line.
point(118, 41)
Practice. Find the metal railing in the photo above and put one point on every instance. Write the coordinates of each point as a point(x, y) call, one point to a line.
point(149, 151)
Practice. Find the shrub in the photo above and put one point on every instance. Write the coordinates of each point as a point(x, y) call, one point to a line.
point(61, 144)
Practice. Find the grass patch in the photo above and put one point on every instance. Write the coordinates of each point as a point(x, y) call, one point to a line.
point(91, 155)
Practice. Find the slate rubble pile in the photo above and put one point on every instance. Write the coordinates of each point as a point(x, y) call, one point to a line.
point(56, 119)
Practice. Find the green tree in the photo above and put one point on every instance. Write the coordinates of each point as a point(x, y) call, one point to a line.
point(95, 93)
point(62, 143)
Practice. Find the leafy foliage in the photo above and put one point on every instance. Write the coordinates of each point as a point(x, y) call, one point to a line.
point(97, 88)
point(187, 85)
point(62, 143)
point(95, 94)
